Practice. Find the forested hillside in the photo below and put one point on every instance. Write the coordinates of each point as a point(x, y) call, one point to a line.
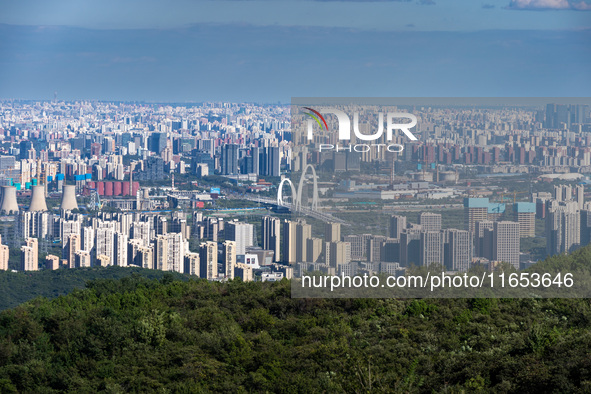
point(138, 335)
point(18, 287)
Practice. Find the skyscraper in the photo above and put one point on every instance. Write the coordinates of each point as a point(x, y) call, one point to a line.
point(271, 229)
point(191, 263)
point(525, 214)
point(230, 159)
point(71, 247)
point(339, 254)
point(506, 242)
point(270, 162)
point(120, 253)
point(431, 248)
point(161, 253)
point(81, 259)
point(30, 255)
point(475, 210)
point(482, 246)
point(458, 250)
point(4, 256)
point(208, 260)
point(104, 243)
point(303, 234)
point(229, 259)
point(289, 242)
point(410, 243)
point(313, 249)
point(332, 232)
point(177, 247)
point(563, 228)
point(241, 233)
point(397, 224)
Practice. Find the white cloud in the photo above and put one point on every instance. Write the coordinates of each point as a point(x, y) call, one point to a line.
point(581, 5)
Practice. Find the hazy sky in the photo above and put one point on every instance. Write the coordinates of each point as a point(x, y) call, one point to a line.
point(272, 50)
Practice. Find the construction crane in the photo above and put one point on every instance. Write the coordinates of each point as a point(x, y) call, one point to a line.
point(515, 194)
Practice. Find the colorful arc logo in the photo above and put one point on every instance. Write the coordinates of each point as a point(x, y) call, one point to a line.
point(315, 115)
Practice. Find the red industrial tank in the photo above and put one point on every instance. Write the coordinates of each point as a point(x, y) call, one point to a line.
point(125, 190)
point(109, 189)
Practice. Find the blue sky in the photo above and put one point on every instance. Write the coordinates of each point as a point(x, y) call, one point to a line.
point(272, 50)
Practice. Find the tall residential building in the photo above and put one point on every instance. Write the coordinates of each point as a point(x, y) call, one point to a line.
point(191, 263)
point(52, 262)
point(563, 228)
point(313, 250)
point(270, 162)
point(82, 259)
point(430, 221)
point(4, 256)
point(141, 232)
point(161, 253)
point(579, 196)
point(229, 259)
point(104, 243)
point(230, 159)
point(397, 224)
point(410, 244)
point(68, 227)
point(358, 245)
point(146, 256)
point(271, 228)
point(303, 234)
point(71, 247)
point(585, 226)
point(179, 225)
point(289, 242)
point(34, 224)
point(566, 193)
point(87, 242)
point(374, 248)
point(482, 246)
point(458, 250)
point(212, 227)
point(431, 248)
point(475, 210)
point(160, 225)
point(177, 247)
point(244, 272)
point(340, 254)
point(30, 255)
point(506, 242)
point(120, 253)
point(332, 232)
point(208, 260)
point(525, 215)
point(241, 233)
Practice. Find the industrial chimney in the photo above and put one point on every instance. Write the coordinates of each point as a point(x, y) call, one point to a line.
point(69, 198)
point(9, 204)
point(38, 199)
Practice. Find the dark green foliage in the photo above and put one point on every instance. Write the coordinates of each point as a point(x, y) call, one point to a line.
point(19, 287)
point(166, 335)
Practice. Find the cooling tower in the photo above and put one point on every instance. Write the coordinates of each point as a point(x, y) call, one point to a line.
point(38, 199)
point(9, 204)
point(69, 198)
